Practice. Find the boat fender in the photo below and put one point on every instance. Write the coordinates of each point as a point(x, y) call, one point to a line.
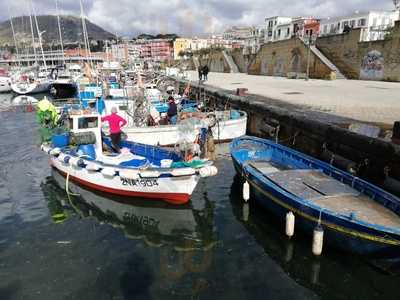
point(182, 172)
point(108, 172)
point(290, 221)
point(55, 152)
point(149, 174)
point(46, 149)
point(318, 240)
point(92, 167)
point(129, 174)
point(64, 158)
point(76, 162)
point(246, 191)
point(208, 171)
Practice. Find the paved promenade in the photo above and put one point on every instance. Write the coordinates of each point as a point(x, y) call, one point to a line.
point(368, 101)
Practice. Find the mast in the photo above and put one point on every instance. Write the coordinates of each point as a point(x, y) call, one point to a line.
point(13, 33)
point(33, 36)
point(39, 34)
point(59, 31)
point(85, 35)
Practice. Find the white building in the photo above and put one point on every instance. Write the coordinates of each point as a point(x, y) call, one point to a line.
point(237, 33)
point(374, 24)
point(253, 44)
point(275, 27)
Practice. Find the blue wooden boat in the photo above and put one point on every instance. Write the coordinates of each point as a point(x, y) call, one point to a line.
point(356, 215)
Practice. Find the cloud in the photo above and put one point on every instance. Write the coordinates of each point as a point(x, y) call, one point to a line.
point(189, 17)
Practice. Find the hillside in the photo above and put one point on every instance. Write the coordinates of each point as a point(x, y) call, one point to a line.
point(71, 28)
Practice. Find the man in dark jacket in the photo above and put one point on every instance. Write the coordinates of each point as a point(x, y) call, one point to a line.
point(172, 112)
point(200, 70)
point(206, 70)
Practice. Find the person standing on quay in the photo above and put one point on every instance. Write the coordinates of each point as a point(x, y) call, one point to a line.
point(115, 123)
point(200, 70)
point(206, 70)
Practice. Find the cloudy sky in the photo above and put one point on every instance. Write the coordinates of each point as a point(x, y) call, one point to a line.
point(189, 17)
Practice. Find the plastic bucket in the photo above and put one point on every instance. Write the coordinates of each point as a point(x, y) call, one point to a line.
point(60, 140)
point(166, 163)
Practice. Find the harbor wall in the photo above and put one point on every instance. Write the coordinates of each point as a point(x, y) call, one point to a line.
point(375, 60)
point(288, 56)
point(313, 133)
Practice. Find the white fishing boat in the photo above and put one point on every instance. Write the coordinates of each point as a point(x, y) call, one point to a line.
point(224, 129)
point(139, 171)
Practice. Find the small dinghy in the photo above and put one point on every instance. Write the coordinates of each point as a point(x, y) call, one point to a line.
point(355, 215)
point(139, 171)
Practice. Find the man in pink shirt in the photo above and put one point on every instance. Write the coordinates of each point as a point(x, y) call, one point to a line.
point(115, 123)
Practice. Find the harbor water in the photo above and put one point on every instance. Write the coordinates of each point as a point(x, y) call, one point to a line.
point(87, 245)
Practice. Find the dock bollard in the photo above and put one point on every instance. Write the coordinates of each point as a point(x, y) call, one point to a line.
point(246, 191)
point(290, 220)
point(318, 240)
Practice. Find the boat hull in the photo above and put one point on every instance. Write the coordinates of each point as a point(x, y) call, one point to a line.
point(168, 135)
point(5, 86)
point(338, 232)
point(175, 190)
point(65, 89)
point(30, 88)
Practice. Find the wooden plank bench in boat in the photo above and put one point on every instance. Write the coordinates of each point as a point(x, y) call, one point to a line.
point(326, 192)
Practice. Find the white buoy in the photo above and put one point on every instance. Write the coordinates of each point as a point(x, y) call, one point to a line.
point(290, 220)
point(318, 240)
point(246, 191)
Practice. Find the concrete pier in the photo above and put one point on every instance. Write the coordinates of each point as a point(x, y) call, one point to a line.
point(300, 115)
point(367, 101)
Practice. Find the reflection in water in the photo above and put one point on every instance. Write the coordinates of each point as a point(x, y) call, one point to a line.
point(182, 236)
point(155, 222)
point(334, 275)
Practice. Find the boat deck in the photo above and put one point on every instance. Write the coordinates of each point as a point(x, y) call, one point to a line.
point(328, 193)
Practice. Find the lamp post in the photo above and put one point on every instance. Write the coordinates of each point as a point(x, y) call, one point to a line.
point(310, 40)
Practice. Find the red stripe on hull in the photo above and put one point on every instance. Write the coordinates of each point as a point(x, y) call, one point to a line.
point(173, 198)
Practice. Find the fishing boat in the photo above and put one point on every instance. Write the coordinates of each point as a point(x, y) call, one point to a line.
point(225, 126)
point(355, 215)
point(138, 171)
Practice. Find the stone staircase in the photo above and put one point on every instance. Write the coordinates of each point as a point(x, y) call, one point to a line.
point(347, 70)
point(232, 65)
point(327, 62)
point(196, 62)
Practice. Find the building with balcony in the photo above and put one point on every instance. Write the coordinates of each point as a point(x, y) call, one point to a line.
point(374, 24)
point(272, 32)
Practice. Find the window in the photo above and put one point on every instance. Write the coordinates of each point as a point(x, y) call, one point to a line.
point(279, 33)
point(352, 23)
point(270, 33)
point(362, 22)
point(87, 123)
point(288, 32)
point(345, 23)
point(325, 28)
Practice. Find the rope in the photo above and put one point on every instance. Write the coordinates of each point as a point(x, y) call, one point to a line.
point(67, 187)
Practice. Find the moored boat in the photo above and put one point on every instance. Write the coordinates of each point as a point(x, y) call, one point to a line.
point(139, 171)
point(355, 215)
point(5, 82)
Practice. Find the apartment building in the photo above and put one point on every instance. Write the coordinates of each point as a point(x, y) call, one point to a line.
point(374, 24)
